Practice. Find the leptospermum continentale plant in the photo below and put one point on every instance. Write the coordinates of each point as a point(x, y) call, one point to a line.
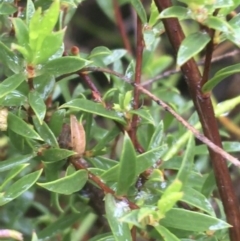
point(116, 162)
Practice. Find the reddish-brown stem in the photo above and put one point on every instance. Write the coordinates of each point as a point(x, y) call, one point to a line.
point(209, 53)
point(121, 26)
point(201, 62)
point(30, 84)
point(205, 111)
point(95, 93)
point(134, 233)
point(78, 165)
point(138, 71)
point(197, 134)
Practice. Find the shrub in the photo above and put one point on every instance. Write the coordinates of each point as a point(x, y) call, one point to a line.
point(116, 161)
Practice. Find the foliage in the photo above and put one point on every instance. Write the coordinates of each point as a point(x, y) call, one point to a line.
point(100, 161)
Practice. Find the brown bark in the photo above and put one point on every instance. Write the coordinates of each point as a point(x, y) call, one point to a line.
point(203, 105)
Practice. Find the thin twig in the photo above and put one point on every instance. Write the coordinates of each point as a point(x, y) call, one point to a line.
point(138, 72)
point(196, 133)
point(78, 165)
point(121, 26)
point(95, 92)
point(177, 71)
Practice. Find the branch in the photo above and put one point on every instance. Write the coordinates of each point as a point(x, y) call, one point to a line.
point(177, 71)
point(166, 107)
point(203, 105)
point(121, 27)
point(138, 73)
point(78, 165)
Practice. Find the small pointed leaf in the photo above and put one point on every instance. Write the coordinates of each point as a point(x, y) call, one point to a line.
point(19, 187)
point(20, 127)
point(192, 45)
point(45, 132)
point(94, 108)
point(187, 162)
point(176, 12)
point(193, 221)
point(55, 154)
point(166, 234)
point(10, 84)
point(13, 173)
point(65, 65)
point(127, 167)
point(37, 104)
point(114, 211)
point(221, 75)
point(67, 185)
point(21, 31)
point(9, 59)
point(15, 161)
point(137, 4)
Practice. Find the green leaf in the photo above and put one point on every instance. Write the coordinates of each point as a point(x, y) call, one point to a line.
point(228, 146)
point(19, 187)
point(10, 84)
point(167, 202)
point(21, 31)
point(198, 200)
point(67, 185)
point(127, 167)
point(145, 114)
point(102, 162)
point(153, 14)
point(34, 29)
point(45, 132)
point(94, 108)
point(114, 56)
point(137, 4)
point(7, 8)
point(187, 162)
point(157, 137)
point(144, 161)
point(149, 158)
point(37, 104)
point(165, 233)
point(23, 50)
point(219, 76)
point(30, 10)
point(15, 161)
point(34, 237)
point(20, 127)
point(56, 121)
point(99, 51)
point(218, 24)
point(192, 45)
point(9, 58)
point(209, 185)
point(107, 8)
point(114, 211)
point(193, 221)
point(55, 154)
point(51, 44)
point(106, 139)
point(50, 18)
point(14, 98)
point(65, 65)
point(44, 85)
point(13, 173)
point(176, 12)
point(103, 237)
point(59, 225)
point(42, 26)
